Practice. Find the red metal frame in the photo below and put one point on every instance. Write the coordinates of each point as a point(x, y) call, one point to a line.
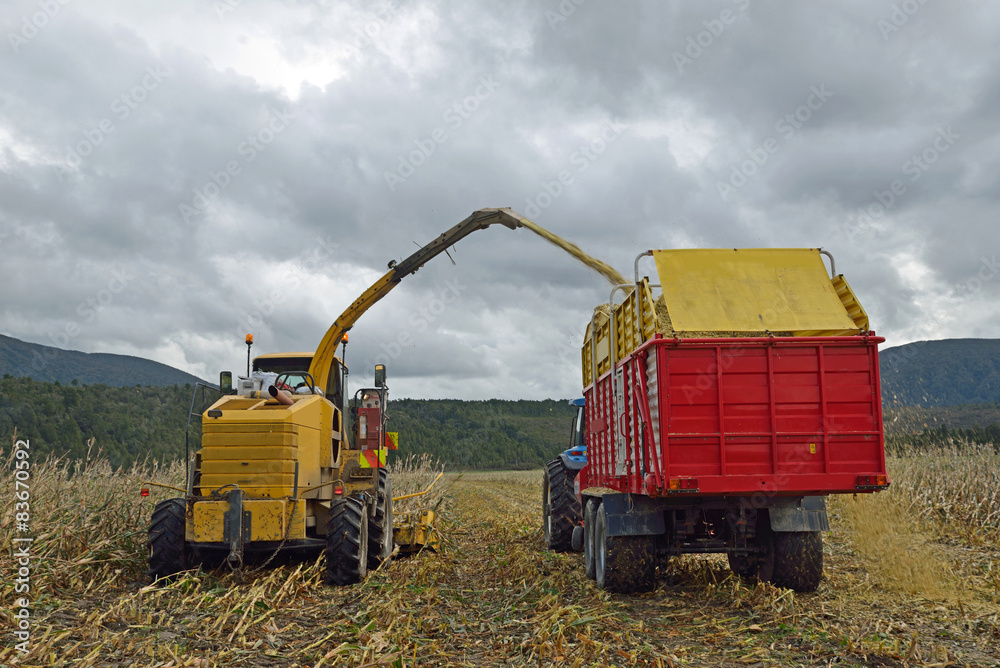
point(777, 415)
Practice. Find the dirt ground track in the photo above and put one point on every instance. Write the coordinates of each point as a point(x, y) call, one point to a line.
point(495, 597)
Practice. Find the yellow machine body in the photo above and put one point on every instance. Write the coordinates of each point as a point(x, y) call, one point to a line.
point(270, 468)
point(288, 462)
point(415, 531)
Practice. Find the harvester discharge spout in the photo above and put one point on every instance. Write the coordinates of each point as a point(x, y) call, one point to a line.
point(479, 220)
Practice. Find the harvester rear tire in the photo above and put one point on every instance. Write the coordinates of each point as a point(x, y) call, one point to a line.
point(623, 564)
point(798, 560)
point(168, 554)
point(589, 546)
point(560, 509)
point(380, 525)
point(346, 543)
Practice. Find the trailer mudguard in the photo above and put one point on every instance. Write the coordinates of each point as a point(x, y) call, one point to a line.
point(632, 515)
point(804, 514)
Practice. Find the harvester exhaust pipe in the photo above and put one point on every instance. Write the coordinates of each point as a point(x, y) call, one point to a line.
point(282, 398)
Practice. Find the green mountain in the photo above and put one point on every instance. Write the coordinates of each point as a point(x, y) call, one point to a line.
point(21, 359)
point(128, 423)
point(949, 372)
point(490, 434)
point(131, 423)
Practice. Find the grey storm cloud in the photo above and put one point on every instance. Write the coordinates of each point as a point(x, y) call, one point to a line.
point(174, 174)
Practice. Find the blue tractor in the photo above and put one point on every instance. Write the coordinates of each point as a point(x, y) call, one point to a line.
point(561, 509)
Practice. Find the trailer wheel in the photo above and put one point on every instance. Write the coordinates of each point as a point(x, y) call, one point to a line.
point(380, 526)
point(744, 567)
point(589, 518)
point(167, 552)
point(623, 564)
point(346, 543)
point(560, 509)
point(798, 560)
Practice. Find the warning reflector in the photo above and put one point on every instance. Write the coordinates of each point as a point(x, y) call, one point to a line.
point(370, 459)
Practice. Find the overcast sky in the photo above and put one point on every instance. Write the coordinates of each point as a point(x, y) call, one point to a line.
point(176, 174)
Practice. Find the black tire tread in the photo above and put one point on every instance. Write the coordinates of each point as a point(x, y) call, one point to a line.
point(167, 552)
point(565, 509)
point(798, 560)
point(629, 563)
point(346, 543)
point(380, 523)
point(589, 517)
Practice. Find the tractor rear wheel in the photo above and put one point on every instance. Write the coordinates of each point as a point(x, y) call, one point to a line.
point(798, 560)
point(560, 509)
point(167, 552)
point(623, 564)
point(346, 542)
point(380, 525)
point(589, 517)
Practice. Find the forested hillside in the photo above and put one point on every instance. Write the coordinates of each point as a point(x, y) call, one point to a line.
point(128, 423)
point(131, 423)
point(483, 434)
point(22, 359)
point(950, 372)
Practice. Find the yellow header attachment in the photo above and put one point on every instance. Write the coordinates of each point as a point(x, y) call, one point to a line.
point(786, 290)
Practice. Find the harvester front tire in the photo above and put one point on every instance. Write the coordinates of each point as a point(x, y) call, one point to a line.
point(346, 543)
point(380, 525)
point(168, 554)
point(560, 509)
point(589, 546)
point(623, 564)
point(798, 560)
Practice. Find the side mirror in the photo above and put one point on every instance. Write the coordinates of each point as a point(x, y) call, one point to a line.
point(379, 375)
point(226, 382)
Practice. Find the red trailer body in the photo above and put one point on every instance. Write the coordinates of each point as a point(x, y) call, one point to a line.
point(726, 433)
point(739, 416)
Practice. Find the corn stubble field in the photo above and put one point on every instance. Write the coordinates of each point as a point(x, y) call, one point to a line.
point(912, 579)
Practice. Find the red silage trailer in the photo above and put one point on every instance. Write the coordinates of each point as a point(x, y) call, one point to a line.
point(725, 441)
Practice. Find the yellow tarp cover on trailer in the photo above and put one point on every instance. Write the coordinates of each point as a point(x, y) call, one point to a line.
point(752, 290)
